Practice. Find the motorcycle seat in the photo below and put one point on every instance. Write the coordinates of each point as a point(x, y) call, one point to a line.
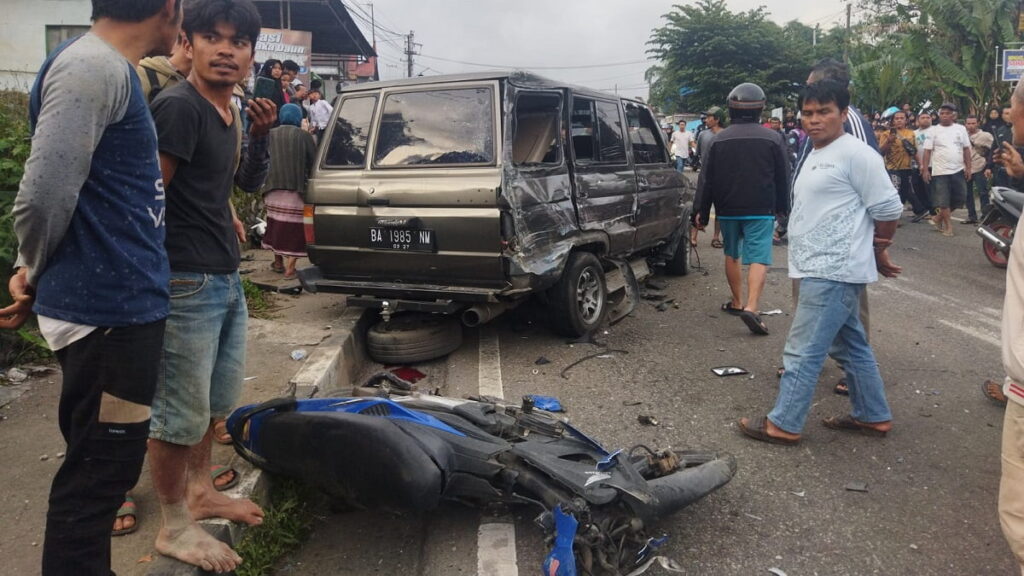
point(1014, 198)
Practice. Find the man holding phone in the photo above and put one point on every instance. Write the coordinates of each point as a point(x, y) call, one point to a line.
point(204, 343)
point(897, 146)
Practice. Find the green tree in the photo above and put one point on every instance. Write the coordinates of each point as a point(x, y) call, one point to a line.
point(705, 50)
point(947, 48)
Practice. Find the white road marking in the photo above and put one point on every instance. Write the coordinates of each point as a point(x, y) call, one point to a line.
point(895, 286)
point(991, 312)
point(496, 550)
point(496, 541)
point(983, 335)
point(490, 363)
point(995, 323)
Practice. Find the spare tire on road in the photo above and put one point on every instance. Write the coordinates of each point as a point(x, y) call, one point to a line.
point(413, 337)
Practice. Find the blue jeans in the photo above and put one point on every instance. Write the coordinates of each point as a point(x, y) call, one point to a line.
point(203, 362)
point(680, 163)
point(828, 312)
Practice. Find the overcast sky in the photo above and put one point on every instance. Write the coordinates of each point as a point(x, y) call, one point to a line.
point(596, 43)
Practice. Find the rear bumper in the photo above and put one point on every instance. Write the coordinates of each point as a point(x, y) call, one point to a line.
point(448, 298)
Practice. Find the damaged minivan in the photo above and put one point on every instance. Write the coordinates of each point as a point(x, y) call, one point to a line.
point(466, 194)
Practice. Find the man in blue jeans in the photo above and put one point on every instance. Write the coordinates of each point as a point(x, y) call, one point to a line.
point(845, 212)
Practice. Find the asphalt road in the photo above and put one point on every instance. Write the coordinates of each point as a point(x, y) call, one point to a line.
point(930, 505)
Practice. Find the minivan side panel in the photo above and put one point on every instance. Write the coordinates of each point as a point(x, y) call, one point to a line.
point(537, 199)
point(661, 190)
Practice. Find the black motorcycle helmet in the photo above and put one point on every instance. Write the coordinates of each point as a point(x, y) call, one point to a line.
point(746, 101)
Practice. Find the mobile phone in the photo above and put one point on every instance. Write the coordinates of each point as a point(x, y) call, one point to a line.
point(266, 88)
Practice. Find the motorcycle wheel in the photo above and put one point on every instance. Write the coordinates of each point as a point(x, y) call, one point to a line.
point(995, 257)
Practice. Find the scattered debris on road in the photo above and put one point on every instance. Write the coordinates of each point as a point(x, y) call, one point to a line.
point(729, 371)
point(541, 361)
point(856, 486)
point(605, 354)
point(647, 420)
point(298, 354)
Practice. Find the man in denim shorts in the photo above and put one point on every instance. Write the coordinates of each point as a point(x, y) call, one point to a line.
point(746, 201)
point(948, 152)
point(204, 345)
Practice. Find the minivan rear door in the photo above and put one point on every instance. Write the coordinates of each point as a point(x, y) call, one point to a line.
point(604, 185)
point(425, 210)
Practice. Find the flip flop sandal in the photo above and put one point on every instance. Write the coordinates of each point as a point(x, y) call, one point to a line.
point(759, 431)
point(716, 243)
point(994, 392)
point(279, 268)
point(127, 509)
point(779, 372)
point(847, 423)
point(754, 322)
point(842, 388)
point(220, 433)
point(730, 309)
point(218, 470)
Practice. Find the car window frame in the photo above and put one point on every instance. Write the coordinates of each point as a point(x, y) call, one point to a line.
point(496, 113)
point(563, 144)
point(623, 136)
point(650, 114)
point(329, 135)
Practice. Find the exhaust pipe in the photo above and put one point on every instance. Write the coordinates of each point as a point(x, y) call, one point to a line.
point(483, 313)
point(994, 239)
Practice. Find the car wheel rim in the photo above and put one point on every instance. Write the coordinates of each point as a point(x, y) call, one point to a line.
point(589, 297)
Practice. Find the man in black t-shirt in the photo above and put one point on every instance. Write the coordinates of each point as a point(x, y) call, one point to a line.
point(204, 343)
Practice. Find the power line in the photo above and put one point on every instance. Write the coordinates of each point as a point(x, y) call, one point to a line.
point(606, 65)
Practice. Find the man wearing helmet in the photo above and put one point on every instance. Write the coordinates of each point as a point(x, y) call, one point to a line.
point(745, 201)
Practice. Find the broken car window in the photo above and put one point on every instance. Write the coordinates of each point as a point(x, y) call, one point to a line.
point(536, 138)
point(643, 136)
point(436, 127)
point(582, 126)
point(347, 147)
point(613, 148)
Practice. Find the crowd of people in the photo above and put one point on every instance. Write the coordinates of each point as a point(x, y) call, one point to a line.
point(138, 183)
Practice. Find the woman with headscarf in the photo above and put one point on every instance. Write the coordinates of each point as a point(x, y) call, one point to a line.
point(993, 120)
point(273, 69)
point(292, 153)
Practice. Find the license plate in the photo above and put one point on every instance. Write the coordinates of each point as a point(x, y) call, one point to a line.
point(404, 239)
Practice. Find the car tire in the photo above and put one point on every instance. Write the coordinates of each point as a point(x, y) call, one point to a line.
point(413, 337)
point(679, 264)
point(578, 302)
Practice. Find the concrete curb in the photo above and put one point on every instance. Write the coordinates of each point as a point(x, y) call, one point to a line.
point(332, 366)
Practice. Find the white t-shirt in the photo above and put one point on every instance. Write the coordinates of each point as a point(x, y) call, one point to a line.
point(682, 140)
point(947, 144)
point(840, 191)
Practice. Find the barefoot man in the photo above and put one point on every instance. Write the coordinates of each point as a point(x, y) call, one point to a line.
point(204, 343)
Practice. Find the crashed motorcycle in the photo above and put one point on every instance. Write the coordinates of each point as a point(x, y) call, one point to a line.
point(999, 224)
point(414, 451)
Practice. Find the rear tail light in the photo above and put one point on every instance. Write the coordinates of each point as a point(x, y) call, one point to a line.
point(307, 223)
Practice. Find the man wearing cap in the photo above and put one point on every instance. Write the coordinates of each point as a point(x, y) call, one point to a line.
point(714, 120)
point(948, 151)
point(746, 200)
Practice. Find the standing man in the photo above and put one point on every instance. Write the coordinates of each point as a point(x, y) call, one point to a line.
point(91, 205)
point(844, 205)
point(746, 200)
point(682, 140)
point(897, 145)
point(1002, 132)
point(204, 345)
point(981, 151)
point(319, 114)
point(948, 152)
point(921, 188)
point(1011, 485)
point(714, 122)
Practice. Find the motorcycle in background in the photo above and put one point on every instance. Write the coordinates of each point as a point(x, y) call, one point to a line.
point(999, 224)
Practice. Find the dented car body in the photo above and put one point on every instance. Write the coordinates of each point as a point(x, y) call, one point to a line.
point(450, 192)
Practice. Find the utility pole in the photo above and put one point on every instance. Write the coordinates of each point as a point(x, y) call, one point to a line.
point(410, 51)
point(373, 27)
point(846, 45)
point(814, 35)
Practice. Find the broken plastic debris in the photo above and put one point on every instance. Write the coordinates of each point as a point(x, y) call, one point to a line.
point(298, 354)
point(562, 561)
point(776, 572)
point(247, 378)
point(16, 375)
point(647, 420)
point(549, 403)
point(800, 493)
point(541, 361)
point(631, 402)
point(856, 486)
point(729, 371)
point(409, 374)
point(776, 312)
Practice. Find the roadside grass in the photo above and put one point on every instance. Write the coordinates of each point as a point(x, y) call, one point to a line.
point(285, 526)
point(260, 303)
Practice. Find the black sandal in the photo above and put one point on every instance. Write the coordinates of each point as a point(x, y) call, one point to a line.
point(759, 431)
point(754, 322)
point(730, 309)
point(842, 388)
